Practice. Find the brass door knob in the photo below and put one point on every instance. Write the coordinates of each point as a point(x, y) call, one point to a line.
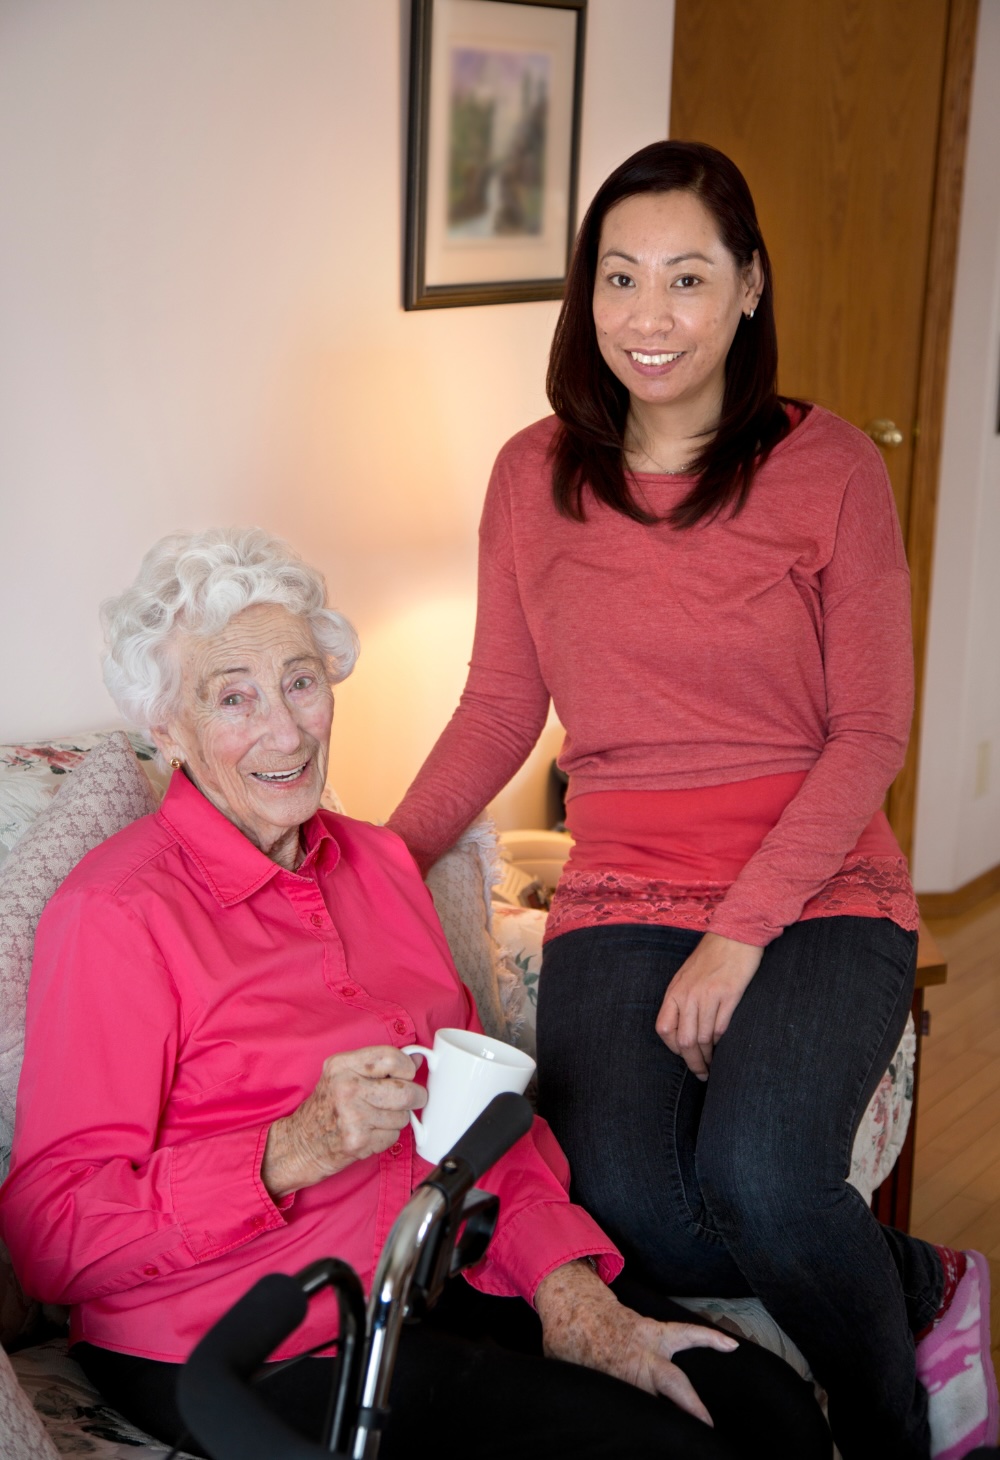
point(884, 433)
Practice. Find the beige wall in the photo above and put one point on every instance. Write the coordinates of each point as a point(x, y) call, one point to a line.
point(199, 287)
point(958, 801)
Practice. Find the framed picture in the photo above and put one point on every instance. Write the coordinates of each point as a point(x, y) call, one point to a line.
point(495, 92)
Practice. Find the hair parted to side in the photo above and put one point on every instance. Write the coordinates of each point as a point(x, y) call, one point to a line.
point(592, 404)
point(194, 583)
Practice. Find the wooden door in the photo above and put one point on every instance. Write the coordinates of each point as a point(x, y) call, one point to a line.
point(848, 119)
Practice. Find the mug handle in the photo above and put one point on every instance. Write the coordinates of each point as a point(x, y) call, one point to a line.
point(428, 1054)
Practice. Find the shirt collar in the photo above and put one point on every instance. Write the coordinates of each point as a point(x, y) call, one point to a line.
point(231, 865)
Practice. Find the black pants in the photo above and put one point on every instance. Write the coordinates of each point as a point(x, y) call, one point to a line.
point(471, 1380)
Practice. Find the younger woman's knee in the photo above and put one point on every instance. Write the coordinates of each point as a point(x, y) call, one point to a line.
point(739, 1184)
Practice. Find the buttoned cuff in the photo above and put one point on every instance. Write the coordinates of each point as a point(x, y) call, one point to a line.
point(219, 1199)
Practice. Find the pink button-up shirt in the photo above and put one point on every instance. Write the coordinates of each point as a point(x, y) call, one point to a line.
point(185, 993)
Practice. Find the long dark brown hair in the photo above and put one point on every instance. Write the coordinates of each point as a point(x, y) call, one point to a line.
point(592, 404)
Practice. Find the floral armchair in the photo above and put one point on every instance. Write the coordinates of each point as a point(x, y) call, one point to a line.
point(108, 779)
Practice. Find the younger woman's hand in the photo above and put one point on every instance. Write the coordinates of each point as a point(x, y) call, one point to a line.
point(701, 997)
point(584, 1323)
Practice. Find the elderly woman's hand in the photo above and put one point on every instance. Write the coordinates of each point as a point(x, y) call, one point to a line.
point(584, 1323)
point(361, 1103)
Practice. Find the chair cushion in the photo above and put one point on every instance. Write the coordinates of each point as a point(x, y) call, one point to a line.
point(22, 1434)
point(76, 1419)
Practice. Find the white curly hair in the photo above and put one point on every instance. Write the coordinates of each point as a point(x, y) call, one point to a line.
point(195, 582)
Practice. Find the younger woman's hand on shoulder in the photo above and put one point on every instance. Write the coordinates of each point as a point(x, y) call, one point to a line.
point(702, 996)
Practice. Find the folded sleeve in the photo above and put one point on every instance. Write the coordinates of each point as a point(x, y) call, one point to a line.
point(96, 1203)
point(539, 1229)
point(868, 673)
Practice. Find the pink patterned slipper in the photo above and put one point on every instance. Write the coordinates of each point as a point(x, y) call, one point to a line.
point(955, 1367)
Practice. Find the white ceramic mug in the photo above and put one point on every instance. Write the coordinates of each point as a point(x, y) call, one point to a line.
point(465, 1071)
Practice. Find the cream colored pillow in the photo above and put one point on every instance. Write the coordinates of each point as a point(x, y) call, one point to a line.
point(105, 793)
point(31, 772)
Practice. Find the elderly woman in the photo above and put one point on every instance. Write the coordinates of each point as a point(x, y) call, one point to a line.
point(214, 1086)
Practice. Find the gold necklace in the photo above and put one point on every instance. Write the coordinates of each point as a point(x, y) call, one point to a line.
point(637, 449)
point(666, 471)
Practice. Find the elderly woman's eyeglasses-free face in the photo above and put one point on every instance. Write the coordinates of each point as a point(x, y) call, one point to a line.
point(253, 724)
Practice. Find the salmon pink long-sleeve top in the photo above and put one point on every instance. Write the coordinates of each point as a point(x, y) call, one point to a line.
point(736, 696)
point(184, 994)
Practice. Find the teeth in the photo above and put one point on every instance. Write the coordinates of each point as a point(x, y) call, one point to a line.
point(642, 359)
point(279, 775)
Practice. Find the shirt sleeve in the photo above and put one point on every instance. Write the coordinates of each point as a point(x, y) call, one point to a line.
point(868, 671)
point(95, 1204)
point(502, 710)
point(539, 1228)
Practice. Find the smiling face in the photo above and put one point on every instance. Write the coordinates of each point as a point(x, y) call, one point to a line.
point(668, 299)
point(252, 726)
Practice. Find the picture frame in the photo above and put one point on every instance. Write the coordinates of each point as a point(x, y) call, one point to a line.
point(493, 150)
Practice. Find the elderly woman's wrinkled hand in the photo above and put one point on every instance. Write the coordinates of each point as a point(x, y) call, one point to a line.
point(361, 1103)
point(584, 1323)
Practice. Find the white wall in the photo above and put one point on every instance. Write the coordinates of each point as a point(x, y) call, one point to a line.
point(958, 821)
point(200, 268)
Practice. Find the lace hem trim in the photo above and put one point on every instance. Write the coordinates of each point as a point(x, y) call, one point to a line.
point(877, 887)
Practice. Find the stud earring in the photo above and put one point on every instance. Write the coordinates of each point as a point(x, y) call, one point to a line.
point(752, 312)
point(176, 762)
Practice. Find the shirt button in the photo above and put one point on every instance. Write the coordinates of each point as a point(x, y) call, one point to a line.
point(399, 1026)
point(151, 1271)
point(349, 992)
point(317, 920)
point(395, 1149)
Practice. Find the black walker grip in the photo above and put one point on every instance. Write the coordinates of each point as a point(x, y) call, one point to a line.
point(505, 1120)
point(213, 1392)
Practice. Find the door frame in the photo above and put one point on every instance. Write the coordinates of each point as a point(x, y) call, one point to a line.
point(960, 51)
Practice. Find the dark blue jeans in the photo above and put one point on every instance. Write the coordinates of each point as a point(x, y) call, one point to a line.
point(738, 1185)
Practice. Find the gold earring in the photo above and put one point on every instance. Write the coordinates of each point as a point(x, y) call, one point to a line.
point(176, 763)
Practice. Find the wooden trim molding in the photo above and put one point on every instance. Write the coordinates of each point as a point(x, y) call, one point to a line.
point(963, 899)
point(963, 16)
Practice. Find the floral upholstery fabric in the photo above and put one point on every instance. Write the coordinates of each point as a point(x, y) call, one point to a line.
point(72, 1414)
point(32, 772)
point(460, 883)
point(519, 932)
point(23, 1436)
